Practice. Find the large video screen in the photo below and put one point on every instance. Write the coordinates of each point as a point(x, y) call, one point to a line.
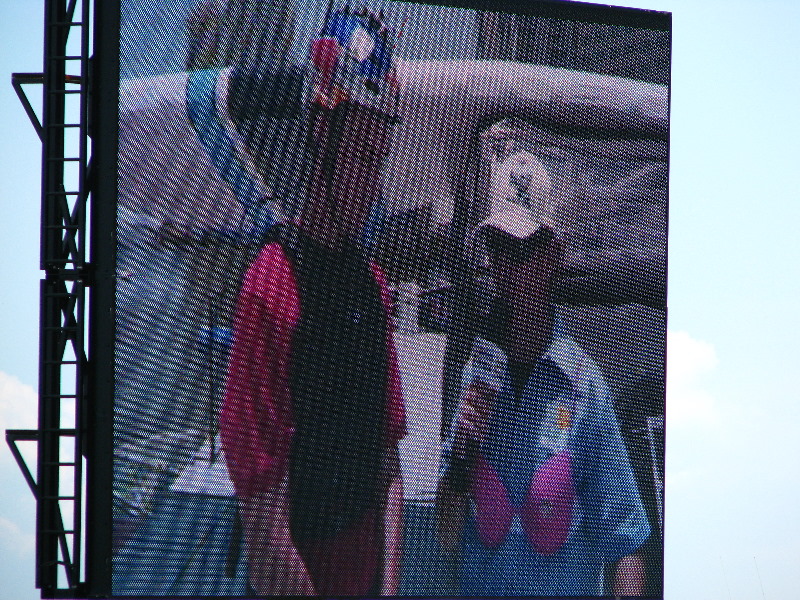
point(390, 306)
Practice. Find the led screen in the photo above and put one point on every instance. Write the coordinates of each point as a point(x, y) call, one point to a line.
point(390, 300)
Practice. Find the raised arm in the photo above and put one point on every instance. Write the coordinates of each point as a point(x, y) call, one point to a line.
point(479, 383)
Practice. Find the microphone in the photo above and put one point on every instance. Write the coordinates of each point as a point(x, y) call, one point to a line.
point(480, 395)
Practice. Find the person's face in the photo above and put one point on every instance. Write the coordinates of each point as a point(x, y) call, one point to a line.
point(520, 267)
point(524, 274)
point(352, 142)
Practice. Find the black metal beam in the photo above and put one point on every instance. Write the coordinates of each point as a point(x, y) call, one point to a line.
point(23, 435)
point(17, 81)
point(62, 293)
point(98, 417)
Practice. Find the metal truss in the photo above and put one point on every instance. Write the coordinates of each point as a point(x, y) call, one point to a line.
point(66, 175)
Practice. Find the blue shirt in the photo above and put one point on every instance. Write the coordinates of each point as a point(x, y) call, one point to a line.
point(564, 406)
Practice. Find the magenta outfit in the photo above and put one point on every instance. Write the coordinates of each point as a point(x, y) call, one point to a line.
point(546, 514)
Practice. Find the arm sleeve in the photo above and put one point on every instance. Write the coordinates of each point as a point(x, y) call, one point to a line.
point(207, 104)
point(255, 424)
point(615, 516)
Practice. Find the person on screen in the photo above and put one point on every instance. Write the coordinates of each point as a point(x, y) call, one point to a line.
point(313, 412)
point(640, 412)
point(536, 490)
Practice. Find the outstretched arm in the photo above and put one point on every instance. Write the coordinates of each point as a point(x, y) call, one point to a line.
point(614, 279)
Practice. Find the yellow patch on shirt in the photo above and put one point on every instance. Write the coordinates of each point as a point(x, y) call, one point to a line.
point(563, 417)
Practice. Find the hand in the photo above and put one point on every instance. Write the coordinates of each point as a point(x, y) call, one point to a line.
point(281, 572)
point(630, 576)
point(474, 413)
point(172, 233)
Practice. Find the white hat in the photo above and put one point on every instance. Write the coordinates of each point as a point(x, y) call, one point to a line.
point(533, 207)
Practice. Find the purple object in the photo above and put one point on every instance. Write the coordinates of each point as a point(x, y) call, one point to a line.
point(494, 510)
point(547, 513)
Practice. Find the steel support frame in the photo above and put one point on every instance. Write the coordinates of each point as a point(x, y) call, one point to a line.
point(62, 353)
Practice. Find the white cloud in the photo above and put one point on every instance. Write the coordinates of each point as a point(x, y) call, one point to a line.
point(15, 540)
point(18, 410)
point(689, 361)
point(18, 403)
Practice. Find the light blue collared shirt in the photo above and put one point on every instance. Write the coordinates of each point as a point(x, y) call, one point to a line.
point(564, 406)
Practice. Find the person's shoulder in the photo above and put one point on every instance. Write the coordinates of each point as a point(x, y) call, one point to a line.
point(488, 360)
point(580, 369)
point(270, 275)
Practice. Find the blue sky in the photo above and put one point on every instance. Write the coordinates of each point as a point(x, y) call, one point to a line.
point(733, 417)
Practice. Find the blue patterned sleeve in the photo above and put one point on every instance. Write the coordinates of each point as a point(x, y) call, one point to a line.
point(614, 514)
